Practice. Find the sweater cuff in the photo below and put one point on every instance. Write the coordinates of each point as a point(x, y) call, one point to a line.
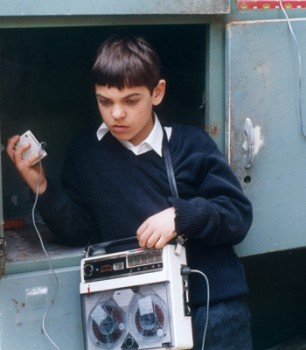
point(190, 217)
point(48, 196)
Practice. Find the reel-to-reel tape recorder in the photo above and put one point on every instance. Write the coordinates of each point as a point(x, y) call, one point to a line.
point(136, 299)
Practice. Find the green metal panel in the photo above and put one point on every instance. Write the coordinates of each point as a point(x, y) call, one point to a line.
point(263, 86)
point(214, 82)
point(24, 300)
point(111, 7)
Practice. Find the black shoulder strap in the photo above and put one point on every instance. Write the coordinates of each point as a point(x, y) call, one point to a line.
point(169, 167)
point(180, 239)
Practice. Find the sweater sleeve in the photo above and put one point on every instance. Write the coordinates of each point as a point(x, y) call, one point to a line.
point(65, 209)
point(220, 213)
point(64, 218)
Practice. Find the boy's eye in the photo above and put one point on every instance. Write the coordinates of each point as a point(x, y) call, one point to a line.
point(104, 102)
point(132, 101)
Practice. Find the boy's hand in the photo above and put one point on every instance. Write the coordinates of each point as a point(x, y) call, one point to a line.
point(29, 172)
point(157, 230)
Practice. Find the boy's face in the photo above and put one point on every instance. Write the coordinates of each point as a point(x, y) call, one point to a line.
point(128, 112)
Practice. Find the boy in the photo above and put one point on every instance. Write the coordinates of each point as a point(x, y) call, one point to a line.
point(115, 185)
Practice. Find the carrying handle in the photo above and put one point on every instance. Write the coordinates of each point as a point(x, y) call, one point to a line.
point(101, 248)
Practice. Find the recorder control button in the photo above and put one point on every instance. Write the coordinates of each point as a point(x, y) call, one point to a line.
point(88, 270)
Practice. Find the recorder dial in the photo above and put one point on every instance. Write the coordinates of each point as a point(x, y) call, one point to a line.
point(88, 270)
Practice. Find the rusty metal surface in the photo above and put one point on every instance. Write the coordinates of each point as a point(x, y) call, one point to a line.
point(23, 249)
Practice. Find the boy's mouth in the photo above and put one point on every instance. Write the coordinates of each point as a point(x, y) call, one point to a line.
point(119, 128)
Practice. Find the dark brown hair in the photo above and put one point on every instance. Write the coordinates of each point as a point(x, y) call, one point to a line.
point(126, 62)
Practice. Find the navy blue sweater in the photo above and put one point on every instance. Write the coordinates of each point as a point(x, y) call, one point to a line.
point(107, 192)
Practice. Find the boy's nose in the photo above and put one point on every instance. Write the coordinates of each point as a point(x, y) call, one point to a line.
point(118, 112)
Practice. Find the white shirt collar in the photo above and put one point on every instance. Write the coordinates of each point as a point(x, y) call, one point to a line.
point(103, 129)
point(152, 142)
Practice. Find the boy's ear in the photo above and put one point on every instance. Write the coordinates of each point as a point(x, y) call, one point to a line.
point(159, 92)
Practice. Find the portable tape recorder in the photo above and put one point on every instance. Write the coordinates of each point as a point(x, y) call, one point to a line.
point(136, 299)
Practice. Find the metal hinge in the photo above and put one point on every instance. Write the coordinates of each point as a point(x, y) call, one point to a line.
point(2, 257)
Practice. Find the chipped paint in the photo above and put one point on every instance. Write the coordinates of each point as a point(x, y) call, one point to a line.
point(259, 140)
point(37, 291)
point(253, 142)
point(213, 129)
point(36, 297)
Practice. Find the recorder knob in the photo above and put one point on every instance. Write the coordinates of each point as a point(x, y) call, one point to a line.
point(88, 270)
